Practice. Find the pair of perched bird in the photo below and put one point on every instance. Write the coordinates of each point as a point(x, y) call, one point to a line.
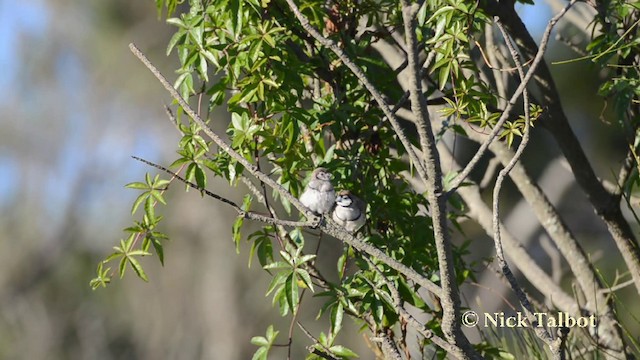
point(320, 197)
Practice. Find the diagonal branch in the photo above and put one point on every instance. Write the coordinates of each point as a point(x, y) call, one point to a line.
point(245, 214)
point(379, 98)
point(338, 232)
point(481, 213)
point(251, 168)
point(564, 240)
point(537, 60)
point(417, 325)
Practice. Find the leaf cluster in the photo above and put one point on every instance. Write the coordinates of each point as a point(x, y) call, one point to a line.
point(293, 106)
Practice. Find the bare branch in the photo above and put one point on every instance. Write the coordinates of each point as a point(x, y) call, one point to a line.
point(617, 287)
point(481, 213)
point(556, 122)
point(450, 299)
point(389, 348)
point(333, 229)
point(512, 101)
point(522, 297)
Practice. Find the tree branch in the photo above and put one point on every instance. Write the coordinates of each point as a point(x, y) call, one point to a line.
point(540, 331)
point(556, 122)
point(245, 214)
point(481, 213)
point(251, 168)
point(450, 299)
point(537, 60)
point(418, 326)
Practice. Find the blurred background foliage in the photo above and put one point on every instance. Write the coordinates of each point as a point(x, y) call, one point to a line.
point(75, 106)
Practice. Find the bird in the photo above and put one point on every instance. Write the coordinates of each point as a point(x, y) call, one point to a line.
point(319, 195)
point(349, 211)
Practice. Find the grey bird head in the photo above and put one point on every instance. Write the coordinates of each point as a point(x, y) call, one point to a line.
point(319, 195)
point(321, 174)
point(349, 211)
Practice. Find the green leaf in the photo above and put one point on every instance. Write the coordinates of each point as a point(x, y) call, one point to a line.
point(277, 265)
point(259, 341)
point(122, 266)
point(201, 177)
point(137, 186)
point(138, 253)
point(113, 256)
point(203, 67)
point(157, 246)
point(341, 264)
point(158, 196)
point(177, 22)
point(178, 37)
point(306, 278)
point(260, 354)
point(343, 351)
point(291, 292)
point(328, 156)
point(138, 201)
point(337, 313)
point(444, 75)
point(102, 278)
point(237, 236)
point(138, 268)
point(149, 209)
point(277, 282)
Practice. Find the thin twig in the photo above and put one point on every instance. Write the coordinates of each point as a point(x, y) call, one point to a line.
point(492, 67)
point(312, 348)
point(540, 331)
point(555, 121)
point(500, 78)
point(296, 311)
point(246, 214)
point(617, 287)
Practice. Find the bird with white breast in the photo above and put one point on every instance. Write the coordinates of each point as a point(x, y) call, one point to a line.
point(349, 211)
point(319, 195)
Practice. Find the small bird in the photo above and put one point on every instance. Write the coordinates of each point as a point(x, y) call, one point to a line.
point(349, 211)
point(319, 195)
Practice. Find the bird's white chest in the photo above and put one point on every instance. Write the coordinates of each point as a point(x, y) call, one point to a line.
point(318, 201)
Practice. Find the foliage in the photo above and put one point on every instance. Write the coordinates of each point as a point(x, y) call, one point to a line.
point(295, 106)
